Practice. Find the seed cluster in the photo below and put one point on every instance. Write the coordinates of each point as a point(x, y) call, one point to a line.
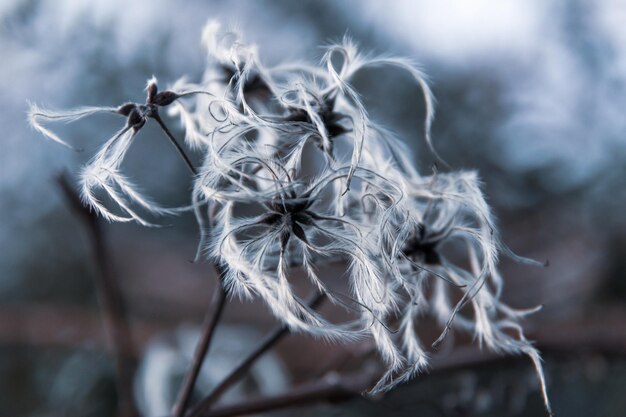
point(295, 174)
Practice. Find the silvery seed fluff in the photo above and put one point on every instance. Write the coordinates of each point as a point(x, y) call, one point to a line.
point(296, 174)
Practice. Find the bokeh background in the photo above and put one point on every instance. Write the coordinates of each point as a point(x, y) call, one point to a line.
point(531, 93)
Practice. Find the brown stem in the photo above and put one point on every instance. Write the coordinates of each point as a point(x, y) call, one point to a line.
point(179, 149)
point(210, 323)
point(244, 366)
point(114, 317)
point(332, 388)
point(337, 388)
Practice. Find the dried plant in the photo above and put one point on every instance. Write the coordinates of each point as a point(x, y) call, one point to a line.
point(295, 173)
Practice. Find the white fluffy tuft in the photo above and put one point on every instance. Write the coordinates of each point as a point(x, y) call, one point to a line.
point(295, 174)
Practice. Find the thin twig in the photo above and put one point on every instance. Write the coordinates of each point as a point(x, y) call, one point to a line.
point(244, 366)
point(109, 297)
point(337, 388)
point(331, 389)
point(179, 149)
point(210, 323)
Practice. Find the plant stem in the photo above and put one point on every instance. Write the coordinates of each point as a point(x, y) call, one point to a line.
point(210, 323)
point(179, 149)
point(336, 388)
point(332, 388)
point(244, 366)
point(110, 300)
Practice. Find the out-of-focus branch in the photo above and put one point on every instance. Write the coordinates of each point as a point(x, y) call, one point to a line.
point(208, 329)
point(335, 387)
point(331, 388)
point(592, 336)
point(244, 366)
point(109, 297)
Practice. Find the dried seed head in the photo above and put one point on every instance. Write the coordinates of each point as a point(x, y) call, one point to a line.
point(271, 205)
point(165, 98)
point(126, 109)
point(151, 90)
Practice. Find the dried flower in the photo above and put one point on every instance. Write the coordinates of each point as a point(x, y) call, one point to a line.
point(266, 202)
point(103, 170)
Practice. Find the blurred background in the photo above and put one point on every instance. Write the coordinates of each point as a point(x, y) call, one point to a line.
point(530, 93)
